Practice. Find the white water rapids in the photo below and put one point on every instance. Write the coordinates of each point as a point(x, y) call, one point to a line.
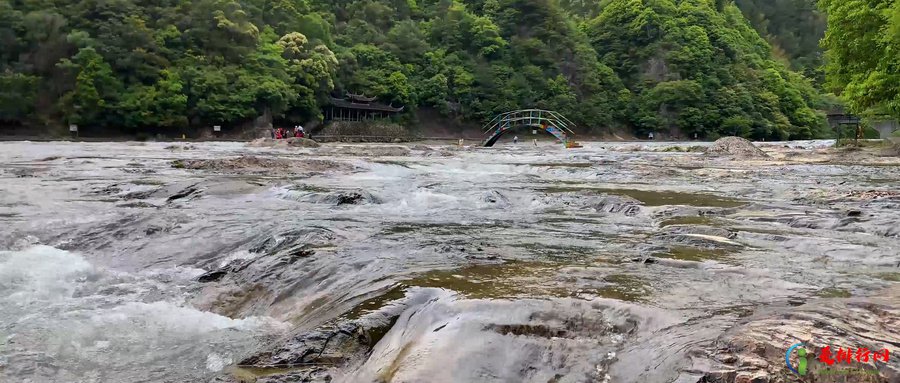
point(65, 320)
point(154, 262)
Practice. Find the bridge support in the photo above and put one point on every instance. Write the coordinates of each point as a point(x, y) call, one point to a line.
point(886, 128)
point(547, 120)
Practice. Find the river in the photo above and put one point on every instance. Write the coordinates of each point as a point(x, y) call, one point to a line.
point(616, 262)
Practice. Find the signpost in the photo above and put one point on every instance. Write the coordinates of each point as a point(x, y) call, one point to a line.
point(73, 130)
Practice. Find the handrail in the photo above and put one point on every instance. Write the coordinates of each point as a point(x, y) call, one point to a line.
point(551, 121)
point(507, 119)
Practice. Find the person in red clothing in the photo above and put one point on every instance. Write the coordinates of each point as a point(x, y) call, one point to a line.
point(279, 133)
point(298, 132)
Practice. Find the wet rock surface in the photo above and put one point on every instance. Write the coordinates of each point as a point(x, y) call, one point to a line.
point(255, 164)
point(334, 198)
point(368, 151)
point(329, 345)
point(753, 350)
point(302, 142)
point(297, 142)
point(388, 263)
point(351, 198)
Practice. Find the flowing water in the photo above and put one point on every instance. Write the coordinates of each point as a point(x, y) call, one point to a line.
point(609, 263)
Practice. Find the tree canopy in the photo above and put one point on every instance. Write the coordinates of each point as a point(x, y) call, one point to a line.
point(793, 27)
point(863, 53)
point(679, 66)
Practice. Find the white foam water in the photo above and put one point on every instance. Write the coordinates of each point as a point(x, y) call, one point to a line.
point(63, 319)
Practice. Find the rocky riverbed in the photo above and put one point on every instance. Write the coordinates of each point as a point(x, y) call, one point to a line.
point(616, 262)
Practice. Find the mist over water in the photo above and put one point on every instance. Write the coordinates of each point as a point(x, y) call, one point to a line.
point(615, 262)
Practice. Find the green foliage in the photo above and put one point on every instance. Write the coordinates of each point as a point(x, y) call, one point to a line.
point(793, 27)
point(96, 92)
point(863, 59)
point(17, 95)
point(682, 66)
point(161, 104)
point(849, 132)
point(697, 67)
point(737, 126)
point(870, 133)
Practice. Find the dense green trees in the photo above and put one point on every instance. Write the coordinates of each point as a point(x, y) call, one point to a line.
point(699, 70)
point(863, 52)
point(793, 27)
point(680, 66)
point(130, 65)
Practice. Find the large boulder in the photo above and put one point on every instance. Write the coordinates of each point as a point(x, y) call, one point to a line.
point(296, 142)
point(737, 147)
point(302, 142)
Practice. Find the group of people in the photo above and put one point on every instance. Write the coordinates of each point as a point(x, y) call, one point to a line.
point(280, 133)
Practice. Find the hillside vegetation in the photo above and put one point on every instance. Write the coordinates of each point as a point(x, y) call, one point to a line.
point(863, 54)
point(793, 28)
point(674, 66)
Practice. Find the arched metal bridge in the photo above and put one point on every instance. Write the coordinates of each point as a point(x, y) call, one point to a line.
point(551, 122)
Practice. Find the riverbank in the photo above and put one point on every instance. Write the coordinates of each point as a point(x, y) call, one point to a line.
point(349, 138)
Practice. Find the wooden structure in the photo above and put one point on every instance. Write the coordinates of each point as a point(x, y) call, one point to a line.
point(547, 120)
point(839, 119)
point(356, 107)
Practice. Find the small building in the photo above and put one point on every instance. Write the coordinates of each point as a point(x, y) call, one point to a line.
point(356, 107)
point(838, 119)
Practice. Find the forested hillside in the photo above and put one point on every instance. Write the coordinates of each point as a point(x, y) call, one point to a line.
point(863, 51)
point(794, 28)
point(679, 66)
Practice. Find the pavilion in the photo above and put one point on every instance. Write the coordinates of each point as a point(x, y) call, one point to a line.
point(355, 107)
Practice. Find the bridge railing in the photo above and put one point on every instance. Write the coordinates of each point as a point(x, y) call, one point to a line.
point(529, 117)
